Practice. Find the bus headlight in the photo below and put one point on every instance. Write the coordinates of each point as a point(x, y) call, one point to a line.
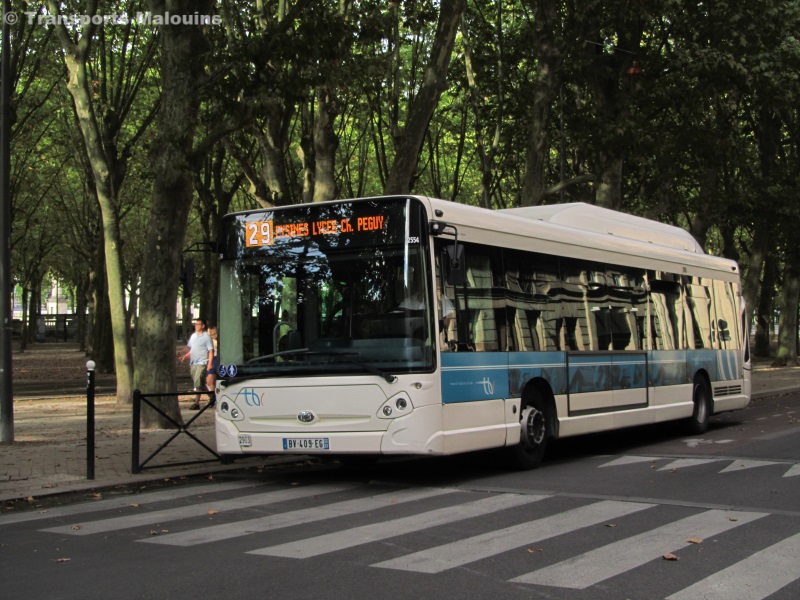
point(227, 409)
point(398, 405)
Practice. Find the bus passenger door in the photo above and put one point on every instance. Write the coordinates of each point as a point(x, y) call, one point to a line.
point(589, 377)
point(630, 380)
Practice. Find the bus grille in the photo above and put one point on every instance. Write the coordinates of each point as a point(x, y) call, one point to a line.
point(727, 390)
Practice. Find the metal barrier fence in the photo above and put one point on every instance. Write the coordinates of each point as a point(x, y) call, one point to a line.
point(138, 398)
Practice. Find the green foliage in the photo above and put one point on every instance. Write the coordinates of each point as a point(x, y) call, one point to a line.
point(707, 138)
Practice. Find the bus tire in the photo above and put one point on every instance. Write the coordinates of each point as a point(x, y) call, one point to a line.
point(535, 432)
point(701, 397)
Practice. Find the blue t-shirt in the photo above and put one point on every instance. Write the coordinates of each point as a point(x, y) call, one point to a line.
point(200, 345)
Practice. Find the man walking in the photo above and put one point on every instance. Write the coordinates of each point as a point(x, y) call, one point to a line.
point(200, 351)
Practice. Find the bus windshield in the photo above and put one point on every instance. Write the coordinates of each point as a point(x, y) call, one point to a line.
point(328, 289)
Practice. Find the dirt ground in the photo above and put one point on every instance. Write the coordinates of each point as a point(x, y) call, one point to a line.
point(45, 413)
point(49, 361)
point(59, 362)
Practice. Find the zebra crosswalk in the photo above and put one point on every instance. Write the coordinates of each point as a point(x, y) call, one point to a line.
point(583, 571)
point(759, 575)
point(298, 517)
point(727, 465)
point(462, 552)
point(589, 541)
point(374, 532)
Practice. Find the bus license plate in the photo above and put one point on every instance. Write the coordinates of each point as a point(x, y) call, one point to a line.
point(306, 444)
point(245, 440)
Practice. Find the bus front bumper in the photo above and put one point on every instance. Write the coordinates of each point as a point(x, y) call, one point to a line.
point(417, 433)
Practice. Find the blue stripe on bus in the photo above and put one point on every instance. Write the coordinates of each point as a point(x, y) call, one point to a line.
point(605, 372)
point(471, 376)
point(668, 367)
point(729, 364)
point(524, 366)
point(475, 376)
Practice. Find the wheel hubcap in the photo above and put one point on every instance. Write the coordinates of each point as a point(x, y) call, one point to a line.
point(533, 426)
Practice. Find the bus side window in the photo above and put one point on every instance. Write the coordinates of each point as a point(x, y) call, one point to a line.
point(627, 304)
point(585, 305)
point(447, 313)
point(666, 311)
point(532, 301)
point(699, 303)
point(485, 301)
point(725, 305)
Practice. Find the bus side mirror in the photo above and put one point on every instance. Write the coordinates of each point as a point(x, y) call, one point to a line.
point(456, 266)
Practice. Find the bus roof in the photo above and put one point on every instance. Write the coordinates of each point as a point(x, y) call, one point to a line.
point(577, 229)
point(588, 217)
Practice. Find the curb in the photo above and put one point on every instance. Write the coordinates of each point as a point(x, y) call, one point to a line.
point(152, 475)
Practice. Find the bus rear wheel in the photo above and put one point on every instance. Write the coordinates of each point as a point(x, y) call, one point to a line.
point(535, 432)
point(701, 397)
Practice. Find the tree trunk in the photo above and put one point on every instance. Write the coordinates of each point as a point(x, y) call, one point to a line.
point(272, 142)
point(764, 311)
point(325, 145)
point(708, 192)
point(111, 236)
point(768, 146)
point(420, 113)
point(548, 60)
point(486, 152)
point(133, 309)
point(75, 58)
point(102, 334)
point(789, 298)
point(80, 311)
point(23, 337)
point(306, 150)
point(609, 188)
point(183, 50)
point(35, 309)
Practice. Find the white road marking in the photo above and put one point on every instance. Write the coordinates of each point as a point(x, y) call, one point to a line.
point(683, 463)
point(123, 501)
point(297, 517)
point(595, 566)
point(740, 465)
point(196, 510)
point(456, 554)
point(753, 578)
point(348, 538)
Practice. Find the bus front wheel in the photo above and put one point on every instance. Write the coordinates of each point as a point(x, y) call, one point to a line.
point(535, 431)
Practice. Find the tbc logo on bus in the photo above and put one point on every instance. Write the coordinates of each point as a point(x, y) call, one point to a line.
point(251, 397)
point(488, 386)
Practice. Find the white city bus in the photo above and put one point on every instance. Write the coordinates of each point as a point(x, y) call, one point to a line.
point(410, 325)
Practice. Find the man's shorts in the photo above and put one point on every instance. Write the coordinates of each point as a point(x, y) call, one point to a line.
point(198, 376)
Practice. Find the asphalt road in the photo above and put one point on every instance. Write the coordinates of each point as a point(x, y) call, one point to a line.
point(636, 514)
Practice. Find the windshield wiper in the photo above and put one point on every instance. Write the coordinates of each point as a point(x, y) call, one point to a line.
point(366, 366)
point(348, 355)
point(259, 359)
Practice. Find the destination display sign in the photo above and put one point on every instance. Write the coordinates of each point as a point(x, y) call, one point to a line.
point(323, 226)
point(265, 233)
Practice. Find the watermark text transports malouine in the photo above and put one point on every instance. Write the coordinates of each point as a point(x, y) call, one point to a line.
point(139, 18)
